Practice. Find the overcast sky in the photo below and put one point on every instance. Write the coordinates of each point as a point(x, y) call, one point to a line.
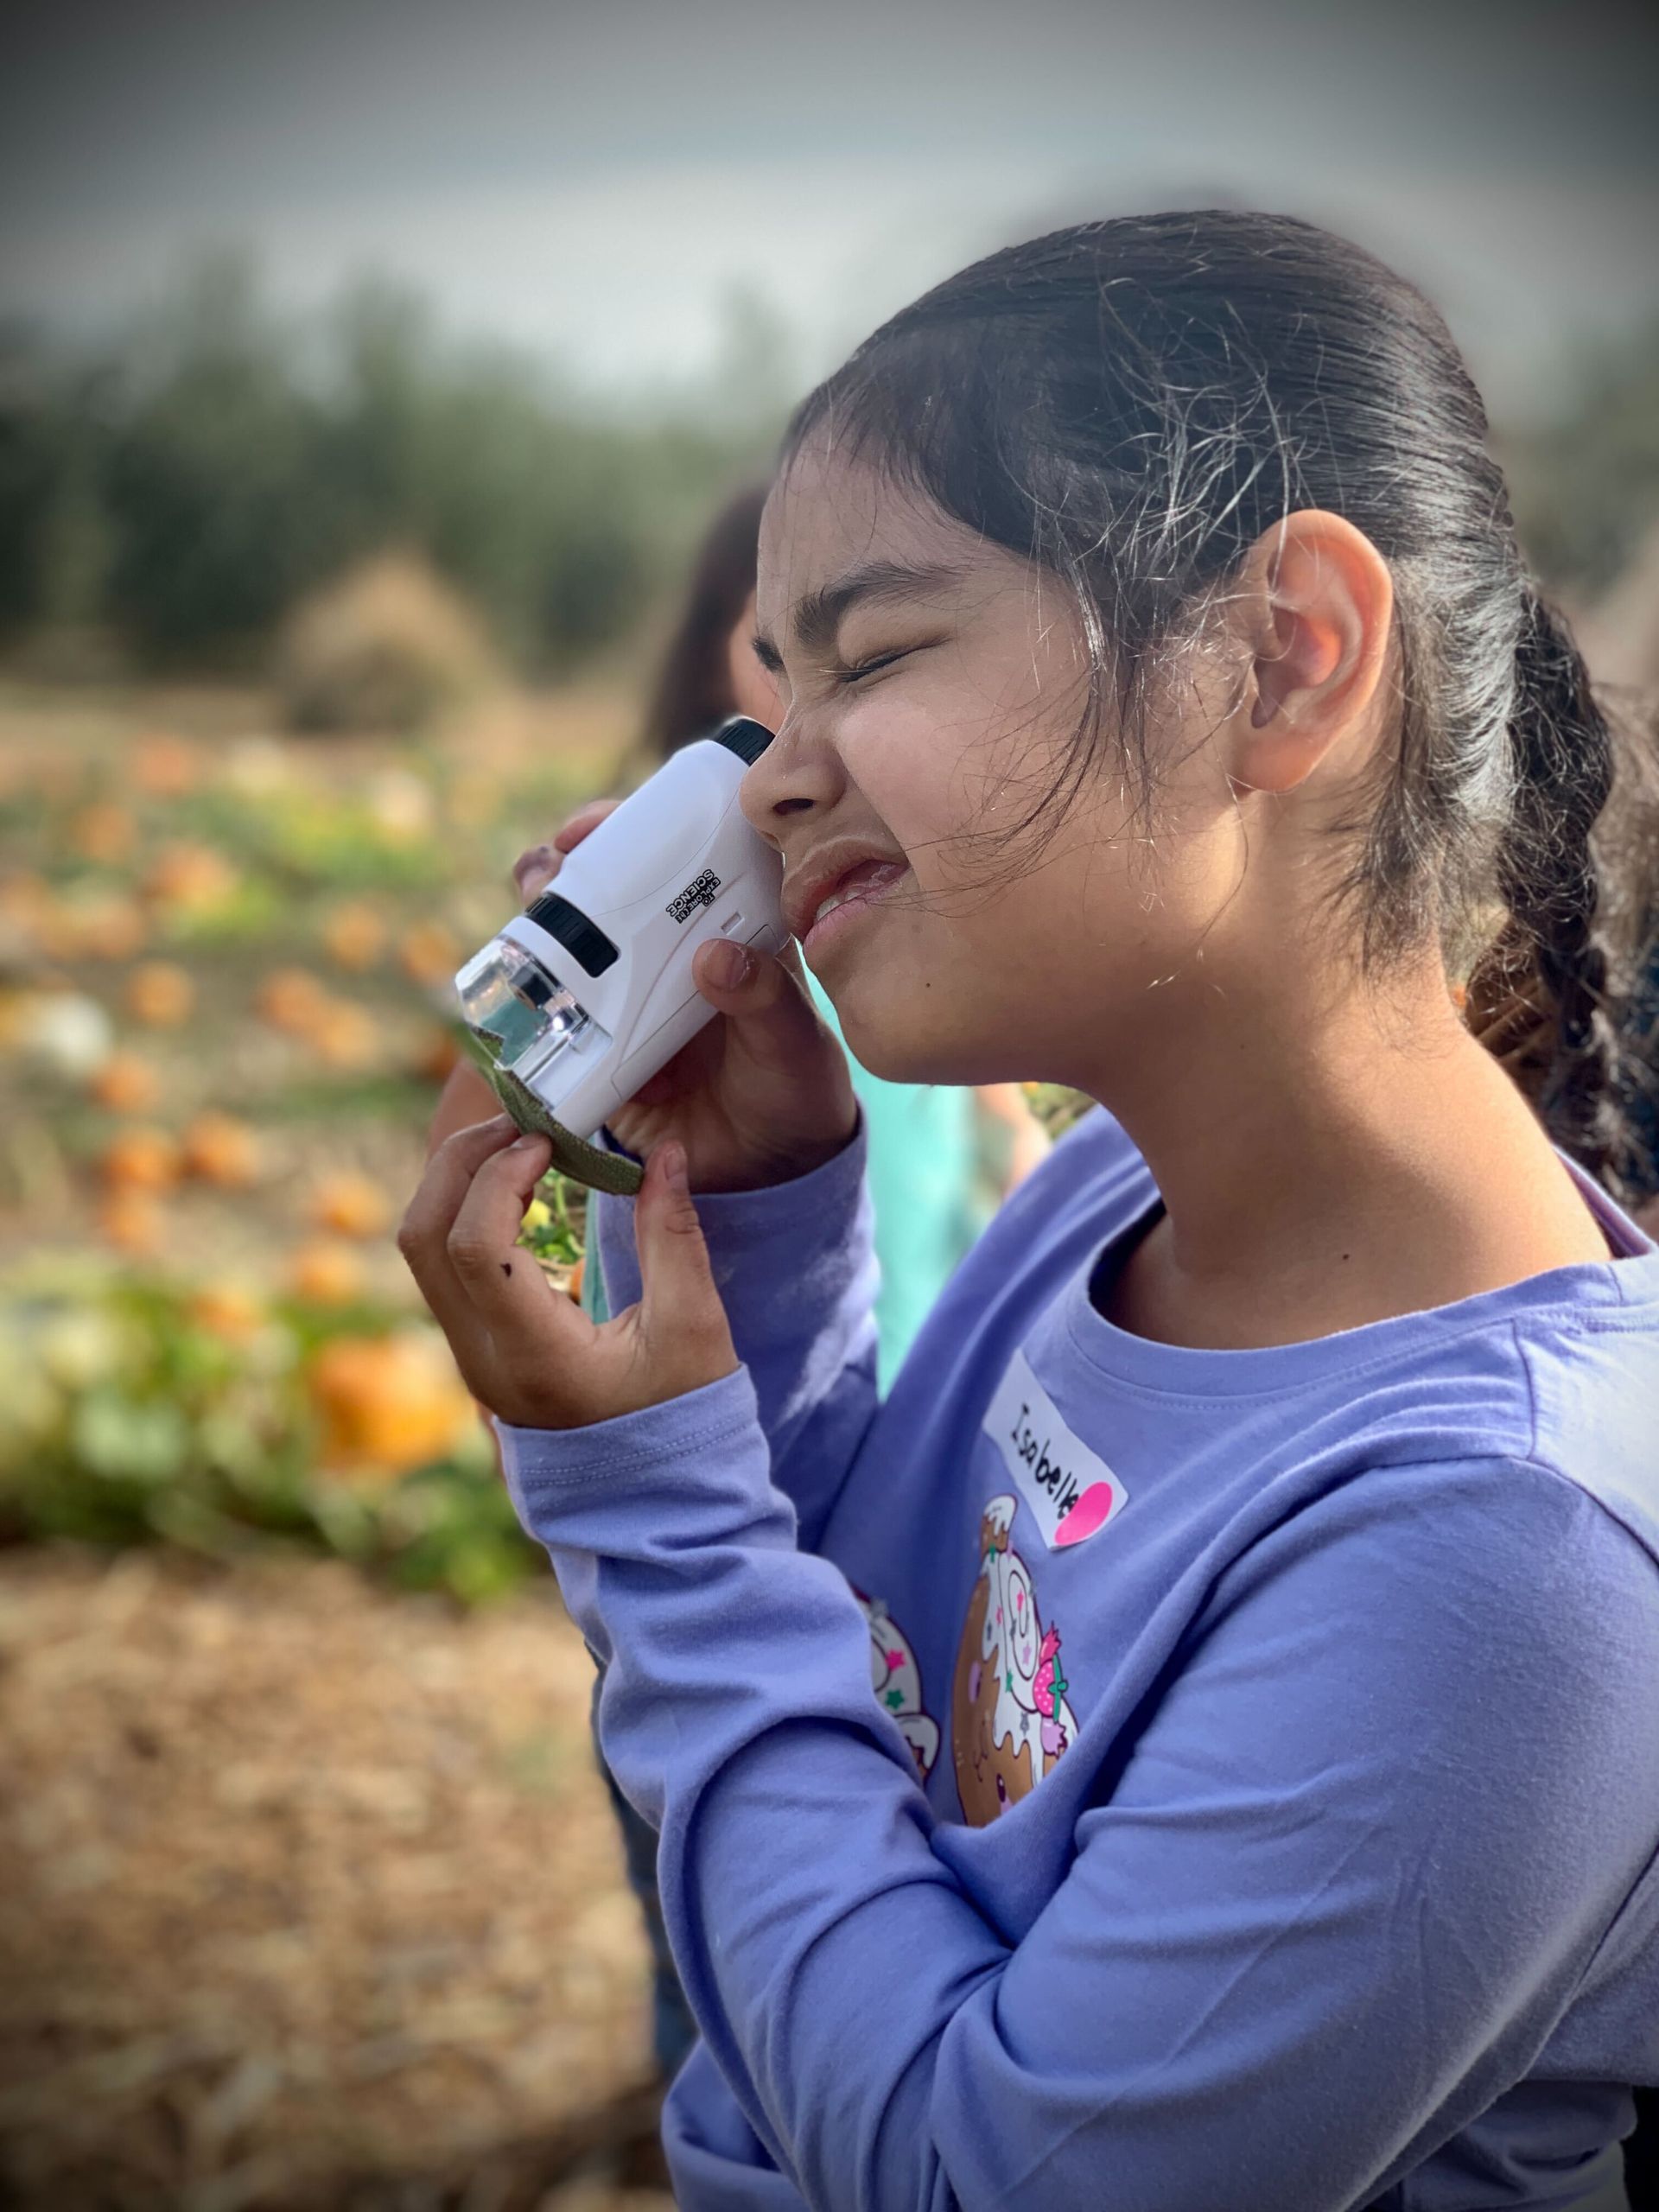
point(593, 180)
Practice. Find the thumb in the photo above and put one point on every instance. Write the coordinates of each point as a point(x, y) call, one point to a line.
point(681, 1317)
point(772, 1016)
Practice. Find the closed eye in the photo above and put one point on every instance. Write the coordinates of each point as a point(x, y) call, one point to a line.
point(861, 669)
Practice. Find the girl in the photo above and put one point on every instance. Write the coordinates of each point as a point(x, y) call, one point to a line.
point(922, 1139)
point(1258, 1554)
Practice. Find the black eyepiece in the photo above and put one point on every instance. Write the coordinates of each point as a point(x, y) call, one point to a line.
point(572, 928)
point(747, 739)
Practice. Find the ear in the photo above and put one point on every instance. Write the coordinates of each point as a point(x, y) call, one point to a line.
point(1316, 606)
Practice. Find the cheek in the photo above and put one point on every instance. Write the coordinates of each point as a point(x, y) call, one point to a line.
point(924, 776)
point(988, 924)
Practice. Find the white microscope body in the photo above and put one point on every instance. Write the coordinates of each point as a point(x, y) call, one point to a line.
point(587, 993)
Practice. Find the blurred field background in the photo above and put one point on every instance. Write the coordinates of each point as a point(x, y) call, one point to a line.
point(325, 590)
point(309, 1890)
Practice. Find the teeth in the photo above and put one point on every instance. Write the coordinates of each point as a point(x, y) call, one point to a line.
point(869, 875)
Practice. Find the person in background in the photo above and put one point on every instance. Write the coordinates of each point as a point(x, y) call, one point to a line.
point(940, 1159)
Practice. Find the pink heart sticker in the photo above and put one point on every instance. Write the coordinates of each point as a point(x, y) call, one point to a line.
point(1086, 1515)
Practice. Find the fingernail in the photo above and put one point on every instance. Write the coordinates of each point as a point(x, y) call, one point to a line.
point(528, 1142)
point(673, 1166)
point(730, 965)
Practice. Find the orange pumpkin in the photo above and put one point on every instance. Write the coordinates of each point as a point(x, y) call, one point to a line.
point(293, 999)
point(141, 1159)
point(165, 767)
point(351, 1205)
point(160, 993)
point(188, 878)
point(354, 934)
point(429, 954)
point(124, 1084)
point(227, 1311)
point(327, 1272)
point(221, 1149)
point(345, 1036)
point(388, 1404)
point(132, 1221)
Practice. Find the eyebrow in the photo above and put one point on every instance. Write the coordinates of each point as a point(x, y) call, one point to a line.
point(819, 615)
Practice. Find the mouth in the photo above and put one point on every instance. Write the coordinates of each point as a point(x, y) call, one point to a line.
point(837, 906)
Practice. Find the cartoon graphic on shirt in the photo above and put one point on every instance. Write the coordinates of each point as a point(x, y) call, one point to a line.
point(897, 1681)
point(1010, 1720)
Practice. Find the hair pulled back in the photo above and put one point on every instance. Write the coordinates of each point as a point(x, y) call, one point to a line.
point(1132, 403)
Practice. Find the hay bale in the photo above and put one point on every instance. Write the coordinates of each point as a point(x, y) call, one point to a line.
point(388, 646)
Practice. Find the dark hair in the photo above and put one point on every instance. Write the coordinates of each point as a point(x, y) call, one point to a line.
point(693, 689)
point(1132, 403)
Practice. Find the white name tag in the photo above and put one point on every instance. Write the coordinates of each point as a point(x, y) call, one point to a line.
point(1071, 1492)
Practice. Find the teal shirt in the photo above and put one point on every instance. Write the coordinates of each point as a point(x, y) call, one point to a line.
point(923, 1187)
point(922, 1178)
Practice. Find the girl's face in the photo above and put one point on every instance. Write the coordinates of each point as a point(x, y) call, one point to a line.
point(932, 684)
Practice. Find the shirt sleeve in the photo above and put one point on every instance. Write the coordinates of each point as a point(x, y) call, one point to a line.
point(796, 1268)
point(1391, 1794)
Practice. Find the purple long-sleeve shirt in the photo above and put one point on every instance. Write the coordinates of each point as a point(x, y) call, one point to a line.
point(1109, 1775)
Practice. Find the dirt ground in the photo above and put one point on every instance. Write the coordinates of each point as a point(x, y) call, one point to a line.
point(309, 1897)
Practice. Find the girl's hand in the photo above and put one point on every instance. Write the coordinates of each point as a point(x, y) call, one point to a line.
point(525, 1349)
point(760, 1095)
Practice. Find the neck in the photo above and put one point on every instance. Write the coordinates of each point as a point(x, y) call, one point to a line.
point(1327, 1161)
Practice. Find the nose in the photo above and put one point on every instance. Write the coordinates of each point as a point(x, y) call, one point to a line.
point(799, 773)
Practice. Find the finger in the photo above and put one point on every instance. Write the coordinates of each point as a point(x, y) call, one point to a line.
point(584, 823)
point(776, 1022)
point(424, 1233)
point(534, 870)
point(519, 1308)
point(681, 1319)
point(449, 1176)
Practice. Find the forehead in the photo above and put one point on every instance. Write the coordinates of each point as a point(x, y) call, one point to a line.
point(827, 514)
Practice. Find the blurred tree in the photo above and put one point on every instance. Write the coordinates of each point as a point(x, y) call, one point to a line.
point(209, 479)
point(34, 420)
point(543, 516)
point(1586, 483)
point(207, 468)
point(192, 478)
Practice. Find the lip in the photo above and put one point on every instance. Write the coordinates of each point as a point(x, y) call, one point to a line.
point(842, 917)
point(802, 897)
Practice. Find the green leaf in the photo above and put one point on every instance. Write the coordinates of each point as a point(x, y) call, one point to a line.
point(125, 1440)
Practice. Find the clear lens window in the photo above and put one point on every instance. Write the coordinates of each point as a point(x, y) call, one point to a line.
point(512, 1003)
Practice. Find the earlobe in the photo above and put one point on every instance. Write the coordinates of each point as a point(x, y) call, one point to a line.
point(1277, 754)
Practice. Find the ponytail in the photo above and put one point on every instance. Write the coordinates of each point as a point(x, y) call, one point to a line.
point(1543, 997)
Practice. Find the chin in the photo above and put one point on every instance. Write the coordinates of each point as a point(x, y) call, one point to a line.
point(891, 1042)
